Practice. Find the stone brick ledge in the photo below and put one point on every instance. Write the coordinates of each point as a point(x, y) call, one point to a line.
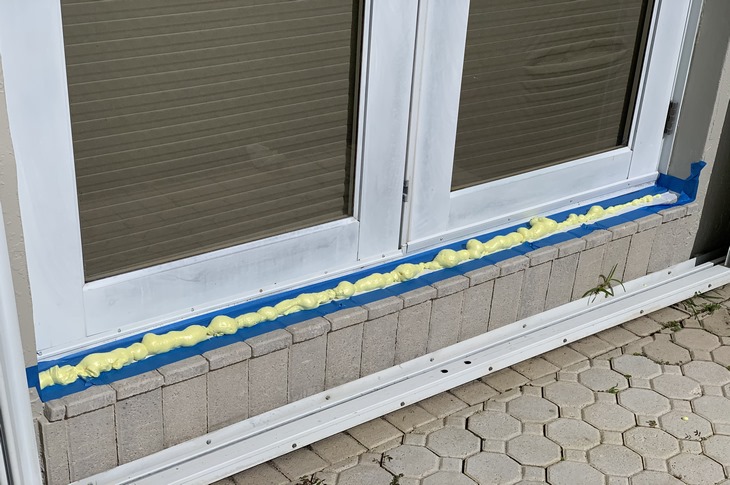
point(97, 429)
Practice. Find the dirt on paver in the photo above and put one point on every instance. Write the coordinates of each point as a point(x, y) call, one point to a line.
point(644, 403)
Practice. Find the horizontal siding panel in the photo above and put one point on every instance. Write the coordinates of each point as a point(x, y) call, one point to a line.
point(544, 82)
point(201, 125)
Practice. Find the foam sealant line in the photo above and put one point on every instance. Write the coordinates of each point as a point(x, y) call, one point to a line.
point(133, 356)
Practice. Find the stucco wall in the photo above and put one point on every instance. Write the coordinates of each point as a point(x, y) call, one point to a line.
point(14, 231)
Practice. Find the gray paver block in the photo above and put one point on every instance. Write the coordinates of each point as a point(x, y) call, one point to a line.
point(609, 417)
point(493, 425)
point(482, 275)
point(475, 311)
point(184, 369)
point(572, 473)
point(507, 291)
point(564, 357)
point(95, 397)
point(365, 474)
point(695, 469)
point(442, 405)
point(676, 386)
point(569, 247)
point(185, 410)
point(602, 380)
point(374, 433)
point(615, 460)
point(722, 355)
point(307, 368)
point(308, 329)
point(637, 366)
point(532, 409)
point(624, 229)
point(617, 336)
point(682, 424)
point(92, 443)
point(673, 213)
point(505, 379)
point(412, 335)
point(668, 314)
point(408, 418)
point(707, 373)
point(535, 368)
point(637, 260)
point(55, 451)
point(591, 346)
point(573, 434)
point(569, 394)
point(718, 323)
point(227, 355)
point(714, 408)
point(493, 468)
point(267, 382)
point(347, 317)
point(139, 425)
point(513, 265)
point(227, 395)
point(616, 253)
point(299, 463)
point(651, 442)
point(453, 442)
point(654, 478)
point(662, 251)
point(533, 450)
point(534, 290)
point(648, 222)
point(378, 344)
point(269, 342)
point(644, 402)
point(134, 385)
point(389, 305)
point(666, 352)
point(344, 353)
point(589, 269)
point(642, 326)
point(696, 339)
point(597, 237)
point(445, 321)
point(718, 448)
point(419, 295)
point(338, 447)
point(473, 392)
point(263, 474)
point(412, 461)
point(450, 477)
point(449, 286)
point(542, 255)
point(562, 277)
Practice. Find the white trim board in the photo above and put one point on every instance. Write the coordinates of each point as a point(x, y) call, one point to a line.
point(248, 443)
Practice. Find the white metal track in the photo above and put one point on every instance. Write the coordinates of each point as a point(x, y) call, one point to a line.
point(261, 438)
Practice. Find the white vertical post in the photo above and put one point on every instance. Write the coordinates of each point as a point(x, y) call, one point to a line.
point(18, 444)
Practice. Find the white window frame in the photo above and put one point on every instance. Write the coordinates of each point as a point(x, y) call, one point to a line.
point(436, 214)
point(70, 314)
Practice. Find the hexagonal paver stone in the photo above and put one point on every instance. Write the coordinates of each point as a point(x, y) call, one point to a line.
point(718, 323)
point(718, 447)
point(572, 473)
point(573, 434)
point(666, 352)
point(715, 408)
point(695, 469)
point(532, 409)
point(615, 460)
point(533, 450)
point(644, 402)
point(609, 417)
point(722, 355)
point(365, 474)
point(651, 442)
point(696, 339)
point(452, 478)
point(569, 394)
point(707, 373)
point(654, 478)
point(636, 366)
point(684, 425)
point(676, 387)
point(492, 468)
point(453, 442)
point(493, 425)
point(411, 461)
point(602, 380)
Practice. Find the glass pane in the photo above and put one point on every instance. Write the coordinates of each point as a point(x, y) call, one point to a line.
point(202, 125)
point(545, 81)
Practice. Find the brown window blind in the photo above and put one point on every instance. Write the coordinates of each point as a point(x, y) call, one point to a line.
point(199, 125)
point(546, 81)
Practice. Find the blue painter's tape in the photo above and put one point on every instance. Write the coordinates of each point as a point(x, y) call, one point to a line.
point(687, 190)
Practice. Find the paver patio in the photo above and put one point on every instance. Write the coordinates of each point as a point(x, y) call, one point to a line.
point(652, 408)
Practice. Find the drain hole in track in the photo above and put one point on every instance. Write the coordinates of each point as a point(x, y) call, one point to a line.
point(467, 362)
point(444, 371)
